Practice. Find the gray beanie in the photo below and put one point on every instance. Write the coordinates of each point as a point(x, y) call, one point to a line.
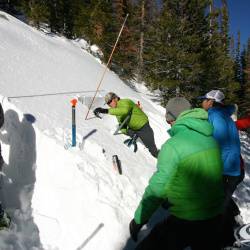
point(175, 106)
point(110, 96)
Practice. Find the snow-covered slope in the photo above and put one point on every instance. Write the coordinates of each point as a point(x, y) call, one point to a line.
point(65, 199)
point(69, 199)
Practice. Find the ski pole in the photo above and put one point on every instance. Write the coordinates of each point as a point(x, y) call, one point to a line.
point(73, 103)
point(118, 37)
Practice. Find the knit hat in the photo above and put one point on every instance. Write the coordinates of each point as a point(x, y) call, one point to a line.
point(216, 95)
point(175, 106)
point(109, 97)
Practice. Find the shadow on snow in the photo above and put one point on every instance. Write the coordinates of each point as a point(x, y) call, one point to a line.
point(19, 177)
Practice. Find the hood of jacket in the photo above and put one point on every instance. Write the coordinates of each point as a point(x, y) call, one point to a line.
point(195, 119)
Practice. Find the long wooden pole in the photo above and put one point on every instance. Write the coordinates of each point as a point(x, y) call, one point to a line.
point(104, 72)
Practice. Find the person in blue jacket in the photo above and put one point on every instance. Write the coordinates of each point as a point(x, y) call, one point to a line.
point(226, 134)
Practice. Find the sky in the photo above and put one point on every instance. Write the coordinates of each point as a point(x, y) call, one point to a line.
point(239, 18)
point(71, 198)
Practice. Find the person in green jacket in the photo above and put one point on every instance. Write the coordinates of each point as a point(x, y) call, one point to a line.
point(189, 177)
point(137, 124)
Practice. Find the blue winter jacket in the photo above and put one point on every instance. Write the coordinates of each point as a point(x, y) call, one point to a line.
point(227, 136)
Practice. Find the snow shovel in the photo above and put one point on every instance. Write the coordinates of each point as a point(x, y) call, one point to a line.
point(126, 121)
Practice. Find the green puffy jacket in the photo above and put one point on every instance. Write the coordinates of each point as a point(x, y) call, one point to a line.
point(189, 172)
point(127, 107)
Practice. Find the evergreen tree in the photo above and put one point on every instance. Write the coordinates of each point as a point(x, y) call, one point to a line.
point(36, 11)
point(10, 6)
point(68, 18)
point(141, 44)
point(237, 66)
point(81, 26)
point(56, 20)
point(175, 59)
point(245, 104)
point(229, 80)
point(219, 70)
point(99, 16)
point(183, 44)
point(145, 13)
point(225, 25)
point(125, 58)
point(239, 62)
point(232, 47)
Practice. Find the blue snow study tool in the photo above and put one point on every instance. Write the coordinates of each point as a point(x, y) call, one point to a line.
point(73, 102)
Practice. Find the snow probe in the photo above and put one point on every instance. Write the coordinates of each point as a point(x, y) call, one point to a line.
point(106, 68)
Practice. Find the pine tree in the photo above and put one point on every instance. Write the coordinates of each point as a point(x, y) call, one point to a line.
point(211, 18)
point(145, 14)
point(176, 57)
point(245, 105)
point(56, 20)
point(36, 11)
point(219, 68)
point(10, 6)
point(68, 18)
point(239, 62)
point(125, 58)
point(232, 47)
point(141, 46)
point(224, 25)
point(237, 66)
point(230, 81)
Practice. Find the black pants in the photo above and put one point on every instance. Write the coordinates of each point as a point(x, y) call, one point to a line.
point(177, 234)
point(1, 165)
point(230, 209)
point(230, 183)
point(146, 134)
point(1, 158)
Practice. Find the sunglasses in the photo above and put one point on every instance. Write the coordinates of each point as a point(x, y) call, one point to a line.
point(109, 101)
point(173, 116)
point(169, 122)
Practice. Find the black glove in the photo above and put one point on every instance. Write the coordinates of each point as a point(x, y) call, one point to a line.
point(97, 111)
point(134, 229)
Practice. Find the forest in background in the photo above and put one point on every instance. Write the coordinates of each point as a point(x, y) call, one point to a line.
point(178, 47)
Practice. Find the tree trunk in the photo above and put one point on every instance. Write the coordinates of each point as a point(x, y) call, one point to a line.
point(140, 68)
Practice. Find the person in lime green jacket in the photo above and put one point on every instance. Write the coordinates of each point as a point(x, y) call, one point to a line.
point(137, 123)
point(189, 177)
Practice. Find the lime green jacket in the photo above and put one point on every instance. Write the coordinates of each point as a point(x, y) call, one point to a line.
point(189, 172)
point(127, 107)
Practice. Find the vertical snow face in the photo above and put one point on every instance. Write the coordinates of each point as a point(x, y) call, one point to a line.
point(57, 198)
